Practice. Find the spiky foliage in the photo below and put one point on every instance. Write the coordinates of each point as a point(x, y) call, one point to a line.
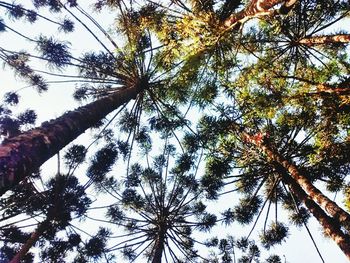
point(159, 209)
point(10, 124)
point(271, 76)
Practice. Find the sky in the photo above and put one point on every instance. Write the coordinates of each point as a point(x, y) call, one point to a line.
point(58, 99)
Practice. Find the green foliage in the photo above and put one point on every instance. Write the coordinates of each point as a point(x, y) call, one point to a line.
point(276, 233)
point(102, 163)
point(266, 79)
point(247, 209)
point(273, 259)
point(56, 53)
point(75, 155)
point(347, 198)
point(237, 250)
point(159, 203)
point(11, 124)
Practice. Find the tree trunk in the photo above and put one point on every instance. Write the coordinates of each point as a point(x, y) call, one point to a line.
point(306, 192)
point(328, 205)
point(159, 246)
point(323, 40)
point(25, 153)
point(322, 89)
point(258, 8)
point(30, 242)
point(330, 226)
point(325, 90)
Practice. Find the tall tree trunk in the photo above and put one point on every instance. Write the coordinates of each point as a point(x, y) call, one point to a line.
point(328, 92)
point(328, 205)
point(323, 40)
point(261, 141)
point(25, 153)
point(330, 226)
point(342, 89)
point(30, 242)
point(306, 192)
point(159, 246)
point(323, 92)
point(258, 8)
point(322, 89)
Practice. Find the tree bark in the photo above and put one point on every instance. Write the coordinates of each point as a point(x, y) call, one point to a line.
point(30, 242)
point(25, 153)
point(322, 89)
point(328, 205)
point(306, 192)
point(159, 246)
point(258, 8)
point(330, 226)
point(323, 40)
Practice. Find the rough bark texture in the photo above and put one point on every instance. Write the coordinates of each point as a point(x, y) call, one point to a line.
point(328, 205)
point(323, 40)
point(330, 226)
point(258, 8)
point(305, 191)
point(23, 154)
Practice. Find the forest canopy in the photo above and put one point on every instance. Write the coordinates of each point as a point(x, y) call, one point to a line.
point(188, 131)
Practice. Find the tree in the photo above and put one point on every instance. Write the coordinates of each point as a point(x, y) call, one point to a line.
point(131, 73)
point(256, 8)
point(23, 154)
point(268, 100)
point(229, 249)
point(33, 203)
point(278, 122)
point(57, 54)
point(267, 177)
point(160, 209)
point(58, 213)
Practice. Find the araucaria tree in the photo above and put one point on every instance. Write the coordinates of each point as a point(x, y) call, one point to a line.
point(160, 209)
point(254, 94)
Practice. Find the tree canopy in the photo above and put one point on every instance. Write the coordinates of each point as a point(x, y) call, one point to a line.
point(243, 105)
